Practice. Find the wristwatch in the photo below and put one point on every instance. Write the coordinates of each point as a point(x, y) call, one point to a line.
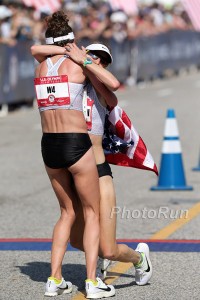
point(87, 61)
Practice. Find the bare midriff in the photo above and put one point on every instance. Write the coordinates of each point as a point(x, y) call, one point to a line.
point(63, 121)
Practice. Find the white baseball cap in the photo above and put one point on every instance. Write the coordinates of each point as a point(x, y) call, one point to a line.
point(100, 47)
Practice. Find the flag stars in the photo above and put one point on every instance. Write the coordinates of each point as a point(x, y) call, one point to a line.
point(118, 143)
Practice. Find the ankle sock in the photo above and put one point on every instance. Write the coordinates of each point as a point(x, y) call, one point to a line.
point(139, 264)
point(95, 282)
point(57, 281)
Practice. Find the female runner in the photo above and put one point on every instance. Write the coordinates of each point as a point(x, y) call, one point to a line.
point(67, 154)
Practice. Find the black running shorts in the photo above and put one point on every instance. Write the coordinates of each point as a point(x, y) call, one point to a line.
point(62, 150)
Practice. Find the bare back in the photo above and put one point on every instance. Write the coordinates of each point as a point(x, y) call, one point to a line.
point(63, 120)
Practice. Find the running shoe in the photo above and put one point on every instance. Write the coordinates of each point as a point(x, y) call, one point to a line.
point(102, 267)
point(98, 289)
point(143, 272)
point(54, 289)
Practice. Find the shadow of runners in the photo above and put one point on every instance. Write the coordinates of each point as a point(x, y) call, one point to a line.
point(76, 273)
point(40, 271)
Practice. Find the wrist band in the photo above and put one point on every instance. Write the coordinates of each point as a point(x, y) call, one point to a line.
point(87, 61)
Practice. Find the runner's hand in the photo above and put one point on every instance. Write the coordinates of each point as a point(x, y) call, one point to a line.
point(76, 54)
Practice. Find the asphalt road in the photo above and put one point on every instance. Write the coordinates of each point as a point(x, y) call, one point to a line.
point(28, 207)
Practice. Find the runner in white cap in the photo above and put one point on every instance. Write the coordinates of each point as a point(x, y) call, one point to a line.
point(109, 248)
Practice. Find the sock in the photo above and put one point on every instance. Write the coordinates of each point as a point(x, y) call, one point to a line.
point(139, 264)
point(95, 282)
point(57, 281)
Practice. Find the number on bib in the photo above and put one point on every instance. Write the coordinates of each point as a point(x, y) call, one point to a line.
point(52, 91)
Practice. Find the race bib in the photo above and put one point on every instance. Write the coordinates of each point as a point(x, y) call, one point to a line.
point(52, 90)
point(87, 110)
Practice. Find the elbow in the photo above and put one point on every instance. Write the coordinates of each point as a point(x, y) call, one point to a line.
point(115, 85)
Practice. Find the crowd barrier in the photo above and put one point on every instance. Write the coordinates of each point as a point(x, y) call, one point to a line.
point(143, 59)
point(16, 73)
point(173, 50)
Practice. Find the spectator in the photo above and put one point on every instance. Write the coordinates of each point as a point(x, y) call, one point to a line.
point(92, 20)
point(5, 26)
point(156, 14)
point(118, 27)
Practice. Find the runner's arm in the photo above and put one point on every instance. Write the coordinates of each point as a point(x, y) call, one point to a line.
point(102, 91)
point(106, 77)
point(41, 52)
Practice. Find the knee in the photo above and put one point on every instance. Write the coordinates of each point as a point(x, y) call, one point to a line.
point(108, 252)
point(68, 215)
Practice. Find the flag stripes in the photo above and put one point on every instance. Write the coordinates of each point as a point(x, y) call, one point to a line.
point(122, 144)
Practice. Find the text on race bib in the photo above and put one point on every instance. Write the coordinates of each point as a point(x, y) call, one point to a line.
point(52, 90)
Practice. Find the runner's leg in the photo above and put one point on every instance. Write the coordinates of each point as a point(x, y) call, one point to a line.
point(87, 185)
point(61, 182)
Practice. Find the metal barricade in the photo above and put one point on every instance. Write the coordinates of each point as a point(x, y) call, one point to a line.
point(142, 59)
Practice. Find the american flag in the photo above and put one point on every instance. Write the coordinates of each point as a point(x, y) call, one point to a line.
point(122, 144)
point(192, 7)
point(129, 6)
point(44, 5)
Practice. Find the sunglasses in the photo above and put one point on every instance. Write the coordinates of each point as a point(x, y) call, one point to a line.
point(92, 55)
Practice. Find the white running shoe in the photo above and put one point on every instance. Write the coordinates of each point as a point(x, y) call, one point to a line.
point(143, 273)
point(102, 267)
point(53, 289)
point(98, 290)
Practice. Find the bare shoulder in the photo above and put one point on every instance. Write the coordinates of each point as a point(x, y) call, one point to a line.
point(41, 69)
point(73, 70)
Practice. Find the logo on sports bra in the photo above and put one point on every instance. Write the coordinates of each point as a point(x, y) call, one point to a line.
point(87, 110)
point(52, 90)
point(88, 118)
